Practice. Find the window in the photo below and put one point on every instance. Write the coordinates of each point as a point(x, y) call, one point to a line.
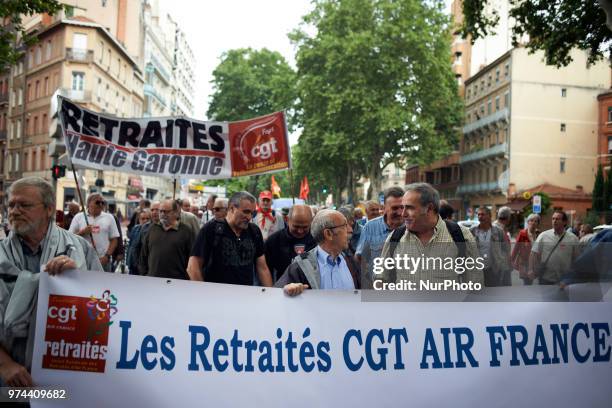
point(29, 95)
point(109, 57)
point(48, 50)
point(496, 103)
point(18, 129)
point(609, 113)
point(43, 158)
point(507, 100)
point(17, 161)
point(13, 98)
point(497, 76)
point(19, 96)
point(489, 81)
point(459, 80)
point(35, 130)
point(34, 163)
point(563, 92)
point(469, 91)
point(44, 123)
point(78, 78)
point(507, 70)
point(609, 144)
point(38, 55)
point(562, 165)
point(489, 103)
point(563, 127)
point(26, 162)
point(458, 57)
point(494, 173)
point(28, 130)
point(46, 89)
point(37, 90)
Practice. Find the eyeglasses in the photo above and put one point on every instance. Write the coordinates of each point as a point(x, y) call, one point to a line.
point(99, 202)
point(22, 206)
point(219, 208)
point(339, 226)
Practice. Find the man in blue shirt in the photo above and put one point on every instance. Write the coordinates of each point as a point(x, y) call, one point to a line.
point(375, 232)
point(325, 266)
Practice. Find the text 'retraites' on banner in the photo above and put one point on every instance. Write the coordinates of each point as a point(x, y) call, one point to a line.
point(121, 340)
point(174, 146)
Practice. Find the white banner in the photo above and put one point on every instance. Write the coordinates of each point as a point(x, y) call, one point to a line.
point(118, 340)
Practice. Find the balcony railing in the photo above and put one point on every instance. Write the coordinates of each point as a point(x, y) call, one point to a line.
point(499, 116)
point(160, 68)
point(501, 185)
point(2, 135)
point(79, 55)
point(150, 90)
point(497, 150)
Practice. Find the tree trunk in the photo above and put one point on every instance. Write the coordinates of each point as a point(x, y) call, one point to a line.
point(375, 174)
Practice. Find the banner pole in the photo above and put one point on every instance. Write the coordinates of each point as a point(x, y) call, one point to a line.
point(174, 189)
point(76, 181)
point(291, 185)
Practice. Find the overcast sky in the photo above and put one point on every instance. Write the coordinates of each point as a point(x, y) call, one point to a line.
point(215, 26)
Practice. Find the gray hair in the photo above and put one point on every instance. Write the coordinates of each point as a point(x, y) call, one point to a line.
point(348, 214)
point(535, 217)
point(395, 191)
point(237, 198)
point(321, 221)
point(504, 213)
point(429, 195)
point(221, 201)
point(47, 193)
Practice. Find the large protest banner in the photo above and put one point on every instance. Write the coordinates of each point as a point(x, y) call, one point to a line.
point(174, 146)
point(120, 340)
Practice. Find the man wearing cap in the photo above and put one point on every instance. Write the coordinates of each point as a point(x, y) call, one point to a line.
point(268, 220)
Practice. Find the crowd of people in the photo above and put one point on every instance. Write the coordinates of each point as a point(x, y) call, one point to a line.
point(244, 241)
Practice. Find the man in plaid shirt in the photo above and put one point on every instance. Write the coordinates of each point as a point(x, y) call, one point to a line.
point(427, 250)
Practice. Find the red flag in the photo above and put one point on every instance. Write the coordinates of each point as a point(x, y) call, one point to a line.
point(276, 190)
point(304, 189)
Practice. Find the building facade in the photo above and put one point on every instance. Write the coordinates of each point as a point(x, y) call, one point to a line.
point(77, 58)
point(529, 124)
point(604, 131)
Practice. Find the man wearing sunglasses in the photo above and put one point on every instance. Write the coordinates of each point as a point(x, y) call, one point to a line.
point(35, 242)
point(325, 266)
point(220, 209)
point(100, 229)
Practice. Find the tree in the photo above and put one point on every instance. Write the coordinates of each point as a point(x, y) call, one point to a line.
point(12, 32)
point(554, 26)
point(598, 191)
point(248, 83)
point(375, 86)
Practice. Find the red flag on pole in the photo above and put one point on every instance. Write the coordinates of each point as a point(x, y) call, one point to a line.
point(276, 190)
point(304, 189)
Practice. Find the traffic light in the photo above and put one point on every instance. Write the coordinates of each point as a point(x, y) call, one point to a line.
point(58, 171)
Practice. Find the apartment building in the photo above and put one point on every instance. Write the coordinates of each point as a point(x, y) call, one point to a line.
point(81, 60)
point(529, 124)
point(604, 130)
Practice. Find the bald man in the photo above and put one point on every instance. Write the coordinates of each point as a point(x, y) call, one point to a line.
point(284, 245)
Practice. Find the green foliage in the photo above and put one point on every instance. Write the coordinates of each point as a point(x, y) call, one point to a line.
point(598, 191)
point(10, 34)
point(248, 83)
point(554, 26)
point(545, 206)
point(375, 87)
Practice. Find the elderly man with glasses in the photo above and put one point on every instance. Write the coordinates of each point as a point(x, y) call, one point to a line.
point(167, 245)
point(220, 208)
point(35, 242)
point(98, 228)
point(325, 266)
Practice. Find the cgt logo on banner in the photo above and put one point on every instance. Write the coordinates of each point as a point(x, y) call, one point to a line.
point(76, 332)
point(175, 147)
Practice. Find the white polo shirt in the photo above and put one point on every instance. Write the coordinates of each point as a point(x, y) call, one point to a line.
point(561, 259)
point(104, 229)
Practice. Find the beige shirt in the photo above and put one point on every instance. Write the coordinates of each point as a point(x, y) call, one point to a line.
point(561, 259)
point(438, 257)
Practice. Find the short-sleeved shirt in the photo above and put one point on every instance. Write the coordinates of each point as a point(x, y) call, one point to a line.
point(104, 229)
point(281, 247)
point(372, 239)
point(232, 258)
point(561, 259)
